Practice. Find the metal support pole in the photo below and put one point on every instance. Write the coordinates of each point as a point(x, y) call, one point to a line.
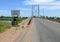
point(38, 11)
point(32, 11)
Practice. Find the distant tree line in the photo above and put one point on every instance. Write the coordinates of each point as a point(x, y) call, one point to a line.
point(7, 18)
point(57, 19)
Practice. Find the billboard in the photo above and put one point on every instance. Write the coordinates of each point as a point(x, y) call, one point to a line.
point(15, 13)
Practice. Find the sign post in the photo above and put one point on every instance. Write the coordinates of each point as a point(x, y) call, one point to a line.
point(15, 14)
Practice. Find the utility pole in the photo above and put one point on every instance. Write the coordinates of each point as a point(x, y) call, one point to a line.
point(32, 11)
point(38, 11)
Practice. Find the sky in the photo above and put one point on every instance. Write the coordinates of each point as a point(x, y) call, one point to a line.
point(47, 7)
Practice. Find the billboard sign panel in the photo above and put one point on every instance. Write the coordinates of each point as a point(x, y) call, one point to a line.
point(15, 13)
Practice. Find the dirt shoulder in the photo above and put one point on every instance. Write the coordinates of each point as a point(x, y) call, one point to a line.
point(11, 34)
point(27, 37)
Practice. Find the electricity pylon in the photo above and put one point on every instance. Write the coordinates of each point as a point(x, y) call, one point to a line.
point(38, 10)
point(32, 11)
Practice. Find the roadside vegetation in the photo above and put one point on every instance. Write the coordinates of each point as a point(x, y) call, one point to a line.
point(7, 25)
point(10, 18)
point(4, 26)
point(56, 19)
point(5, 18)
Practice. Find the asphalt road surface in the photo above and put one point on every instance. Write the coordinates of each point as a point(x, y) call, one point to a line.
point(45, 31)
point(42, 31)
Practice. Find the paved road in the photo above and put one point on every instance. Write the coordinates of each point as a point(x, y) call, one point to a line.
point(45, 31)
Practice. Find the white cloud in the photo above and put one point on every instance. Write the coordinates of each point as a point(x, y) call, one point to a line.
point(45, 0)
point(5, 12)
point(47, 4)
point(23, 9)
point(34, 2)
point(50, 7)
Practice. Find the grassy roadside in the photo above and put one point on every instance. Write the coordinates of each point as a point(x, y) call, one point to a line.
point(4, 26)
point(7, 25)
